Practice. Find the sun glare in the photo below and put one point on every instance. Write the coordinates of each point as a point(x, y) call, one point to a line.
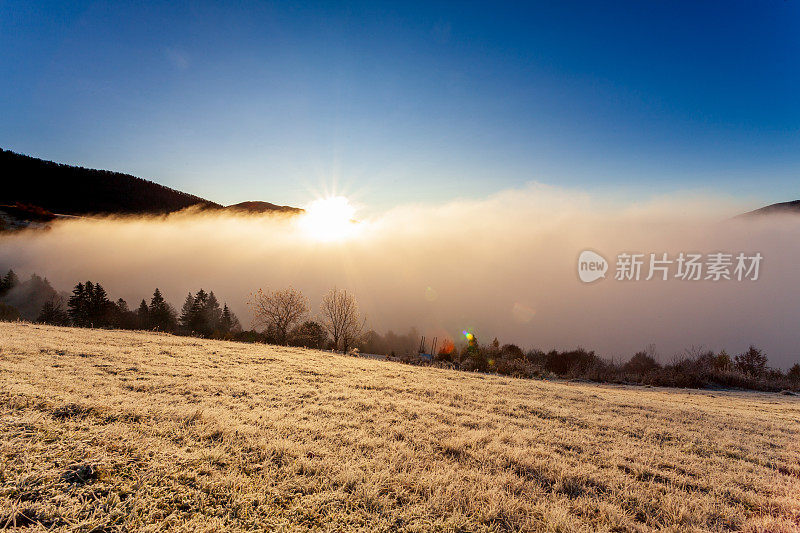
point(329, 219)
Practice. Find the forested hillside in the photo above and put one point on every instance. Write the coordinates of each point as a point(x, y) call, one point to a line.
point(71, 190)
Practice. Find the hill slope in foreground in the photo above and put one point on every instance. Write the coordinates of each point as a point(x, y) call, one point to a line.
point(128, 430)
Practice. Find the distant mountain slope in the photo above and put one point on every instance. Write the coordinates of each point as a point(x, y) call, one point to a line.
point(792, 207)
point(73, 190)
point(262, 207)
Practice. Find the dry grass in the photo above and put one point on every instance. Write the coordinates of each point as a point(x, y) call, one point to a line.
point(110, 430)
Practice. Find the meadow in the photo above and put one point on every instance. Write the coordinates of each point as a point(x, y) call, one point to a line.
point(104, 430)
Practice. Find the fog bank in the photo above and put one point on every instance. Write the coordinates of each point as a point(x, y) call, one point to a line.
point(505, 266)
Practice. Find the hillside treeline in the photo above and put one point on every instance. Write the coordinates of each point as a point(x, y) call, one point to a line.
point(694, 368)
point(67, 189)
point(279, 311)
point(284, 317)
point(89, 306)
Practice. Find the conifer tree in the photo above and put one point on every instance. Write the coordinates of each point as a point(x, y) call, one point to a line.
point(198, 309)
point(78, 305)
point(228, 321)
point(100, 307)
point(211, 315)
point(89, 306)
point(53, 313)
point(187, 313)
point(8, 282)
point(162, 315)
point(143, 315)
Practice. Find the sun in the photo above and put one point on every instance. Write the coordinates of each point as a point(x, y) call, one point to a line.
point(329, 219)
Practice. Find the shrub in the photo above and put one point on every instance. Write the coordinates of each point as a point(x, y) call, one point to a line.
point(309, 334)
point(640, 364)
point(572, 363)
point(794, 373)
point(8, 313)
point(753, 362)
point(248, 336)
point(53, 313)
point(473, 358)
point(722, 362)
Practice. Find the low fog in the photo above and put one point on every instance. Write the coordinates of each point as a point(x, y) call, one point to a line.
point(503, 266)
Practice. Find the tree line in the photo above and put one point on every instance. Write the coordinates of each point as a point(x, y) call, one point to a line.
point(694, 368)
point(284, 317)
point(90, 306)
point(280, 317)
point(340, 326)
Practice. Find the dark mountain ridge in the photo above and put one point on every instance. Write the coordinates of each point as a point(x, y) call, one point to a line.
point(790, 208)
point(262, 207)
point(34, 189)
point(72, 190)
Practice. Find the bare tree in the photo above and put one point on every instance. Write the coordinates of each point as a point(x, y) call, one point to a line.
point(341, 317)
point(278, 311)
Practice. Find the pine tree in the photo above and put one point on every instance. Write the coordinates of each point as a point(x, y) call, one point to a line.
point(126, 318)
point(211, 315)
point(143, 315)
point(200, 301)
point(201, 314)
point(53, 313)
point(187, 313)
point(78, 305)
point(89, 306)
point(118, 314)
point(8, 282)
point(228, 322)
point(225, 320)
point(99, 307)
point(157, 305)
point(29, 296)
point(162, 315)
point(197, 324)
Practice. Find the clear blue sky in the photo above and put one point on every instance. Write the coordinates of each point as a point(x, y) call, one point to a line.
point(407, 103)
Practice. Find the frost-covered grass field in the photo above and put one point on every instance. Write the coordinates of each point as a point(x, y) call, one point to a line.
point(110, 430)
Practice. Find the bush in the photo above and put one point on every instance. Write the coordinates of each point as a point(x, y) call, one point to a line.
point(722, 362)
point(248, 336)
point(641, 363)
point(53, 313)
point(752, 362)
point(309, 334)
point(8, 313)
point(573, 363)
point(514, 366)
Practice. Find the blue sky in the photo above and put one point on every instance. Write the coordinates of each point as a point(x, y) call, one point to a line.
point(414, 103)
